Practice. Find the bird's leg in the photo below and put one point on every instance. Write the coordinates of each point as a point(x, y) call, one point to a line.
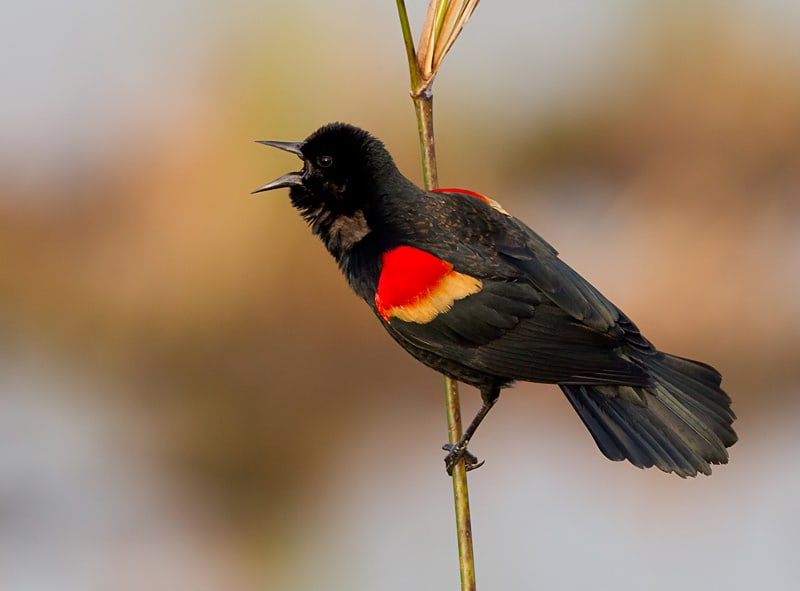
point(458, 450)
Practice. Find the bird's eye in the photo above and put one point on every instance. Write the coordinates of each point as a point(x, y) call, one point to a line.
point(324, 161)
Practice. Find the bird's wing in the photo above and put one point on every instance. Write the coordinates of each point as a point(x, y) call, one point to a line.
point(501, 327)
point(539, 262)
point(505, 246)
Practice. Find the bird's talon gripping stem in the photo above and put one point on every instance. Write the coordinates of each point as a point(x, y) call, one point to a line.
point(455, 453)
point(458, 450)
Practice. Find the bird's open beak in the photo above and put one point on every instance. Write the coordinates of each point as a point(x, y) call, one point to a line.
point(289, 179)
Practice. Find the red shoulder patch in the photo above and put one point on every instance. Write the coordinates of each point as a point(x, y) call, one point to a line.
point(483, 198)
point(408, 272)
point(417, 286)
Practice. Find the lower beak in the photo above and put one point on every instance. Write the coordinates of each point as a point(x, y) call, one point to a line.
point(287, 180)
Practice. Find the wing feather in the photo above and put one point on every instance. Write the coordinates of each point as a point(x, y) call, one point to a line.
point(508, 329)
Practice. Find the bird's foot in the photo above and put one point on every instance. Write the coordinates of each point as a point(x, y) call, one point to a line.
point(457, 451)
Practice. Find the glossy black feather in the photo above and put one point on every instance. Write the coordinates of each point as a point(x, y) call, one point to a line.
point(508, 329)
point(681, 424)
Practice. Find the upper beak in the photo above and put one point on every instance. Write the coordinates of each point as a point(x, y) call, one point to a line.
point(293, 147)
point(287, 180)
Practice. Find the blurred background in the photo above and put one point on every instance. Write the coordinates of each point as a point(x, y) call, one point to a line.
point(190, 396)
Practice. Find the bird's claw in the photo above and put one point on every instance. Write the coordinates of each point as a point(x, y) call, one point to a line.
point(457, 451)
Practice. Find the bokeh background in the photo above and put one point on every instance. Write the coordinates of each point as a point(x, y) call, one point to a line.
point(190, 396)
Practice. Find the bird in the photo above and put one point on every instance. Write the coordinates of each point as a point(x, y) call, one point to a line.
point(477, 295)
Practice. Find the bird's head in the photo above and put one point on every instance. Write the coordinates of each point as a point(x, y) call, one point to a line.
point(345, 173)
point(343, 168)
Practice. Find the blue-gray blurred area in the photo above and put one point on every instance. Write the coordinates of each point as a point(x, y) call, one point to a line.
point(190, 396)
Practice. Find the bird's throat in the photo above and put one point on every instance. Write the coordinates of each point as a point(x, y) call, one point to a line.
point(345, 231)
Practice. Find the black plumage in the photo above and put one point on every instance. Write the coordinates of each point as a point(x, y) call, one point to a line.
point(494, 304)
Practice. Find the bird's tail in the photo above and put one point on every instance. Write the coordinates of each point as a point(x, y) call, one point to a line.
point(680, 423)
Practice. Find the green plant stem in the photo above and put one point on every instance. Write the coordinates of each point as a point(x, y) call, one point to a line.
point(408, 40)
point(422, 97)
point(423, 107)
point(466, 556)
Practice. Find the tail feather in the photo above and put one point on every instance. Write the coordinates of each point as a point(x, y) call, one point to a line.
point(681, 423)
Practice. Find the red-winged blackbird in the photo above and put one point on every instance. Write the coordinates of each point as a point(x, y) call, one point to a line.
point(475, 294)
